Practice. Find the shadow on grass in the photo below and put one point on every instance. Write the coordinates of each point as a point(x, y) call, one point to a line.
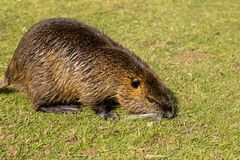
point(174, 100)
point(7, 91)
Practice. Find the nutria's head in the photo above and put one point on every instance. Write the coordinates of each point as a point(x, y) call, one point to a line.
point(144, 93)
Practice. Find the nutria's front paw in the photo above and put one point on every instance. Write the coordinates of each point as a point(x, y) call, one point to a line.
point(109, 115)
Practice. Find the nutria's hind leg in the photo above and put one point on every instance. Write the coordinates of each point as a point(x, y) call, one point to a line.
point(68, 108)
point(45, 98)
point(45, 106)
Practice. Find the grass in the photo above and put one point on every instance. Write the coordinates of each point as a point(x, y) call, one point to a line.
point(193, 45)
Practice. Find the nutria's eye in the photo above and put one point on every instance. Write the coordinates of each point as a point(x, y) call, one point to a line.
point(136, 83)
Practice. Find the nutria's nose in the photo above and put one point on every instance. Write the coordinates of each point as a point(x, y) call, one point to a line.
point(170, 112)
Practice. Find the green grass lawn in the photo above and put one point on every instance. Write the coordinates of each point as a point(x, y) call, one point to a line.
point(194, 46)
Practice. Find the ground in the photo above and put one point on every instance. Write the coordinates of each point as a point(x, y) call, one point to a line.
point(194, 46)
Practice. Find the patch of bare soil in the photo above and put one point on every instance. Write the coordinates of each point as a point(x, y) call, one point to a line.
point(90, 152)
point(12, 150)
point(236, 66)
point(192, 57)
point(73, 142)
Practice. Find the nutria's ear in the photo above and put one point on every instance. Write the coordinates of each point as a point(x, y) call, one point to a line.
point(136, 83)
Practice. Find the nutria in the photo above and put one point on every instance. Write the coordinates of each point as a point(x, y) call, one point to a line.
point(61, 63)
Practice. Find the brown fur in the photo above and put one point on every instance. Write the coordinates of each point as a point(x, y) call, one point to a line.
point(3, 83)
point(62, 62)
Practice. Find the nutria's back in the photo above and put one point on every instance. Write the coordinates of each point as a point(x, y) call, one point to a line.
point(72, 41)
point(63, 61)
